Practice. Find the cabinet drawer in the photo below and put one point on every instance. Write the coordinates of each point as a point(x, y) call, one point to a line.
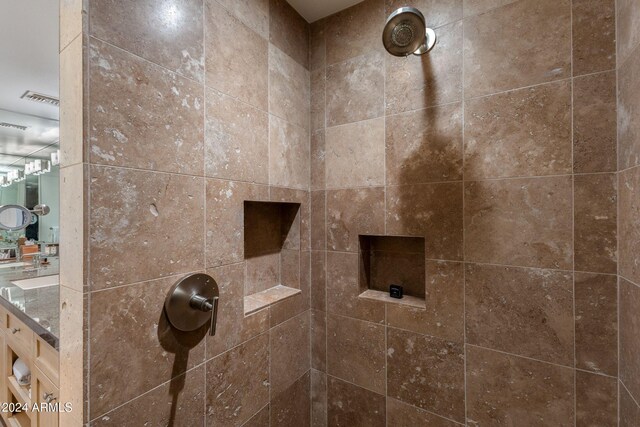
point(44, 392)
point(47, 359)
point(19, 335)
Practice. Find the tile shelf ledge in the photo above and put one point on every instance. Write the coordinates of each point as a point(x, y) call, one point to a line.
point(258, 301)
point(406, 300)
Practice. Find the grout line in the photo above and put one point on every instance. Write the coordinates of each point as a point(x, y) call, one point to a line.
point(204, 187)
point(573, 218)
point(522, 357)
point(629, 393)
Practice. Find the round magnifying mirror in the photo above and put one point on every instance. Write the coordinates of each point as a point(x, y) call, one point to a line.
point(14, 217)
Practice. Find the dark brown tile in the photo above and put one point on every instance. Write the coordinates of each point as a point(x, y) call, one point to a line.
point(596, 400)
point(476, 7)
point(520, 310)
point(352, 212)
point(525, 132)
point(253, 13)
point(261, 419)
point(317, 99)
point(629, 224)
point(509, 390)
point(133, 214)
point(318, 222)
point(292, 407)
point(318, 153)
point(237, 140)
point(178, 403)
point(170, 36)
point(343, 290)
point(355, 89)
point(354, 31)
point(437, 12)
point(424, 146)
point(289, 195)
point(629, 409)
point(289, 88)
point(116, 341)
point(596, 323)
point(225, 219)
point(355, 154)
point(162, 130)
point(319, 340)
point(629, 113)
point(238, 383)
point(402, 415)
point(628, 22)
point(356, 352)
point(433, 211)
point(232, 326)
point(288, 154)
point(629, 330)
point(594, 36)
point(444, 313)
point(291, 307)
point(318, 399)
point(417, 82)
point(317, 45)
point(508, 47)
point(290, 353)
point(318, 280)
point(594, 123)
point(595, 223)
point(352, 406)
point(289, 31)
point(525, 222)
point(426, 372)
point(243, 76)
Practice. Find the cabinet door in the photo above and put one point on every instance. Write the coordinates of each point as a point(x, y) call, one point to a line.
point(43, 392)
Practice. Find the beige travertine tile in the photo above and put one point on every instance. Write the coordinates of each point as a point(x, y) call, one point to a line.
point(73, 352)
point(508, 47)
point(353, 406)
point(525, 132)
point(520, 310)
point(424, 145)
point(133, 216)
point(238, 383)
point(70, 24)
point(356, 352)
point(319, 340)
point(436, 12)
point(288, 154)
point(253, 13)
point(354, 31)
point(444, 314)
point(417, 82)
point(433, 211)
point(629, 113)
point(355, 154)
point(73, 226)
point(426, 372)
point(509, 390)
point(169, 35)
point(401, 414)
point(317, 99)
point(629, 409)
point(143, 116)
point(225, 219)
point(594, 36)
point(595, 223)
point(289, 88)
point(526, 222)
point(236, 140)
point(596, 323)
point(629, 329)
point(355, 89)
point(352, 212)
point(629, 223)
point(596, 400)
point(178, 403)
point(343, 290)
point(628, 23)
point(291, 407)
point(289, 349)
point(119, 370)
point(289, 31)
point(317, 45)
point(318, 399)
point(232, 327)
point(594, 123)
point(237, 57)
point(72, 146)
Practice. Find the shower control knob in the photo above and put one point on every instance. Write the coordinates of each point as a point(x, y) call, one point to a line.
point(192, 302)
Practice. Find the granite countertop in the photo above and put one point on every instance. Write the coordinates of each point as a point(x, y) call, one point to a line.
point(38, 308)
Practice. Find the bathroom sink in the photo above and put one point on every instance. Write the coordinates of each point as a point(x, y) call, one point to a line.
point(14, 264)
point(38, 282)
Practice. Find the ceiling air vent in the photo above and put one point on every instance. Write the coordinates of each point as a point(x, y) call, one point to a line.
point(38, 97)
point(12, 126)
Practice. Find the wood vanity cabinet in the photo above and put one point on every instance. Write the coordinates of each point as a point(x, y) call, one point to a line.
point(17, 340)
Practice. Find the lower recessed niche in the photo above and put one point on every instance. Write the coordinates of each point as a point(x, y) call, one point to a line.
point(397, 260)
point(271, 253)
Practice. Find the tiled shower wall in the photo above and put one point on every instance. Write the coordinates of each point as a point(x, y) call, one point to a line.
point(192, 107)
point(499, 148)
point(628, 23)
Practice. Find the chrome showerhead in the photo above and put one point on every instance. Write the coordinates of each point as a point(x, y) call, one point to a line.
point(405, 33)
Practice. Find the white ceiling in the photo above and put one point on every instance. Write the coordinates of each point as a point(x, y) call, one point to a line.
point(312, 10)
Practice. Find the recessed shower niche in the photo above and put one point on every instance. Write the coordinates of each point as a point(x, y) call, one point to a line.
point(392, 260)
point(271, 253)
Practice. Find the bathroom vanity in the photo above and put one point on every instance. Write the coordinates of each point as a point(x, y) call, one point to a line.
point(29, 321)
